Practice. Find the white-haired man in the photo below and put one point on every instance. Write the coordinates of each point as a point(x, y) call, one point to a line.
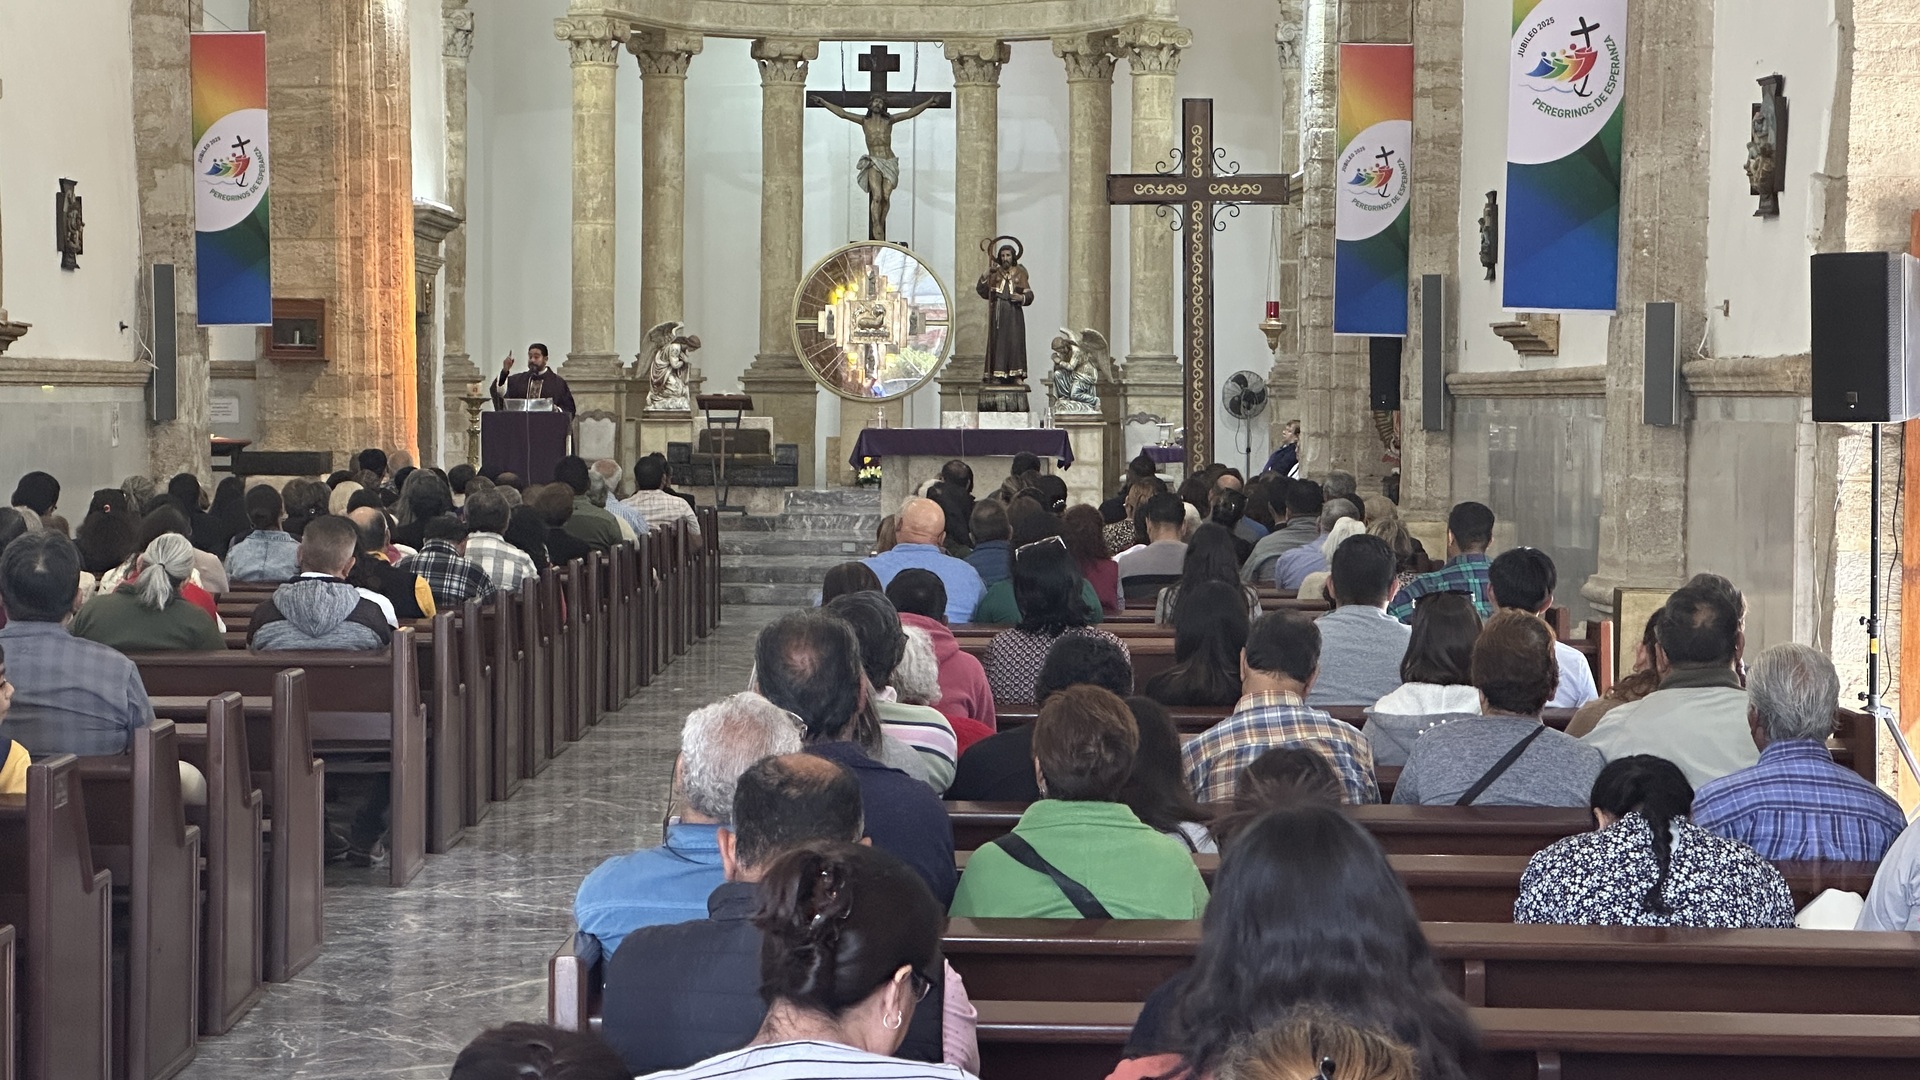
point(670, 883)
point(603, 486)
point(1796, 803)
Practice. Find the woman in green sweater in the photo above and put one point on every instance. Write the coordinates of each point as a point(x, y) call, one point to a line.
point(1079, 852)
point(147, 613)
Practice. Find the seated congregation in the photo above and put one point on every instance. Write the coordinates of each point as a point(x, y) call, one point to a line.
point(1312, 843)
point(205, 700)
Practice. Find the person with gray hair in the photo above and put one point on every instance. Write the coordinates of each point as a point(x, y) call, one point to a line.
point(670, 883)
point(146, 613)
point(1340, 484)
point(1796, 803)
point(1292, 568)
point(603, 488)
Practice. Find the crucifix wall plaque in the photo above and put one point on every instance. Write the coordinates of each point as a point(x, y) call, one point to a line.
point(879, 169)
point(1196, 186)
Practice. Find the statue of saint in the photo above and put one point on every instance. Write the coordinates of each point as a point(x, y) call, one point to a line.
point(1074, 382)
point(1006, 289)
point(879, 170)
point(670, 369)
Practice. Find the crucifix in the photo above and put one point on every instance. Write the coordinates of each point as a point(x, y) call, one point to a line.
point(1196, 191)
point(879, 170)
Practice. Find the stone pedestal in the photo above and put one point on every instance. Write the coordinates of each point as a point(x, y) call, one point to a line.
point(1087, 479)
point(856, 417)
point(657, 429)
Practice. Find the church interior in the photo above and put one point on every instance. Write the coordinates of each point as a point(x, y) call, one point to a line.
point(569, 387)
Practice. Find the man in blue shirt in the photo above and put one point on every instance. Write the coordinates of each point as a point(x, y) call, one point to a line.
point(923, 525)
point(809, 664)
point(1796, 803)
point(670, 883)
point(1293, 568)
point(70, 695)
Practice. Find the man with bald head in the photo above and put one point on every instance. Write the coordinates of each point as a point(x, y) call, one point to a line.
point(373, 571)
point(922, 527)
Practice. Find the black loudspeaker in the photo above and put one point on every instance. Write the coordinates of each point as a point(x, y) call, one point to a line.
point(163, 391)
point(1433, 370)
point(1383, 373)
point(1660, 404)
point(1866, 315)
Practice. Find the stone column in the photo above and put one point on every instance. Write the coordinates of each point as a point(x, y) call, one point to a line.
point(780, 387)
point(976, 197)
point(1663, 256)
point(664, 56)
point(1426, 458)
point(1089, 60)
point(1284, 230)
point(432, 223)
point(1153, 379)
point(163, 158)
point(457, 369)
point(593, 43)
point(338, 88)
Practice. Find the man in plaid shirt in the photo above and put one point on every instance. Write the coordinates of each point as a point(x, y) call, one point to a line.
point(453, 578)
point(1276, 668)
point(1469, 532)
point(504, 565)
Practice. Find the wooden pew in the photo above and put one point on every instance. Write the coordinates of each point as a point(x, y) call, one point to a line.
point(61, 909)
point(1412, 830)
point(575, 974)
point(136, 822)
point(291, 782)
point(477, 670)
point(232, 934)
point(1487, 964)
point(373, 701)
point(539, 605)
point(1026, 1040)
point(1483, 888)
point(9, 1029)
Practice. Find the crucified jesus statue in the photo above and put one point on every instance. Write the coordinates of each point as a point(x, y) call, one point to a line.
point(879, 170)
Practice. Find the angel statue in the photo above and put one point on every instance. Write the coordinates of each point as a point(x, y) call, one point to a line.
point(1077, 365)
point(670, 368)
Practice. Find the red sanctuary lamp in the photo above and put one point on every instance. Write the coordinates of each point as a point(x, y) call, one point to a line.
point(1272, 326)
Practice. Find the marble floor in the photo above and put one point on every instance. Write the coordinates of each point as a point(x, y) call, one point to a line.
point(409, 975)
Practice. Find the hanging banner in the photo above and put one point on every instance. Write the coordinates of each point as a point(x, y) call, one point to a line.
point(1566, 72)
point(1371, 218)
point(230, 173)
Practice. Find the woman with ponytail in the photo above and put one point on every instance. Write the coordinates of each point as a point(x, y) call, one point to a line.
point(850, 945)
point(1646, 864)
point(146, 612)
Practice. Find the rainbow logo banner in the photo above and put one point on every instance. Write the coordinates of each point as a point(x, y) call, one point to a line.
point(1566, 75)
point(1374, 204)
point(230, 179)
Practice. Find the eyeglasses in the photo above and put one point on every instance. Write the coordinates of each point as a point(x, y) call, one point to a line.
point(1040, 543)
point(920, 983)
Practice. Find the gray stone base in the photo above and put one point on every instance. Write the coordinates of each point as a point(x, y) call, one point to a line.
point(1000, 399)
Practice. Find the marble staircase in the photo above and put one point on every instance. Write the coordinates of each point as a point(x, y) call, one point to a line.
point(780, 559)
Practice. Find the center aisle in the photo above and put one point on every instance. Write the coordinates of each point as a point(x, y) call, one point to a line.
point(409, 975)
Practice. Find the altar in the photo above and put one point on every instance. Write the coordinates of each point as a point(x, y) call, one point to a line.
point(909, 457)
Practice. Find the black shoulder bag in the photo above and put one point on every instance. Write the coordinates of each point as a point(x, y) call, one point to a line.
point(1077, 894)
point(1499, 768)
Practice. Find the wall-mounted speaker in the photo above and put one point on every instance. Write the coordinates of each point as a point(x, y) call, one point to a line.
point(1383, 373)
point(1866, 337)
point(1660, 403)
point(1433, 368)
point(163, 392)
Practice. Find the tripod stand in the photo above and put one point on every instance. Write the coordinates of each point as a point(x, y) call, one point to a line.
point(1875, 708)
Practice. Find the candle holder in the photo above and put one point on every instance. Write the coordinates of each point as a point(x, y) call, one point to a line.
point(474, 402)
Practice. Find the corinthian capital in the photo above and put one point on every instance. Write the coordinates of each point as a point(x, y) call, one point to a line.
point(1154, 48)
point(664, 52)
point(457, 34)
point(784, 60)
point(1089, 57)
point(591, 39)
point(977, 61)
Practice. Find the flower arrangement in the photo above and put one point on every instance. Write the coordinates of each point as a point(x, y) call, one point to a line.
point(869, 472)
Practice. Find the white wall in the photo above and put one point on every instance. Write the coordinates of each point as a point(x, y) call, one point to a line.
point(1759, 265)
point(1487, 29)
point(67, 111)
point(429, 97)
point(520, 192)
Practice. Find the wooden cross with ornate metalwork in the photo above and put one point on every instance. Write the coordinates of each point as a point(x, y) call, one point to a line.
point(1197, 186)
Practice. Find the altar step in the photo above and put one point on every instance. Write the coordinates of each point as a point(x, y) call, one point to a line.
point(780, 559)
